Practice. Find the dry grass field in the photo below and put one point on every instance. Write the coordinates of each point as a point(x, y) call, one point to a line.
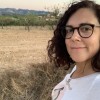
point(25, 73)
point(19, 47)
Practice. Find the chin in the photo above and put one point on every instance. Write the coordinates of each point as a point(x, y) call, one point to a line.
point(79, 60)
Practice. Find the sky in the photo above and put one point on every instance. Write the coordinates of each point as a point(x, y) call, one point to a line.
point(34, 4)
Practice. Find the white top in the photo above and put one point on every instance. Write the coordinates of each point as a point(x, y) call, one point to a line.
point(84, 88)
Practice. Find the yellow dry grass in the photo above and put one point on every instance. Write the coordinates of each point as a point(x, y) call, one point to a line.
point(18, 47)
point(25, 73)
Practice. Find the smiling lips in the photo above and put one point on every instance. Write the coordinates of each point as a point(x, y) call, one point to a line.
point(78, 47)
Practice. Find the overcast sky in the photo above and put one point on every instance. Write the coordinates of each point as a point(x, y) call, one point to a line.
point(33, 4)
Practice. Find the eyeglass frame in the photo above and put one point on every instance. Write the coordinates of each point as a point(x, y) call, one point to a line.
point(82, 24)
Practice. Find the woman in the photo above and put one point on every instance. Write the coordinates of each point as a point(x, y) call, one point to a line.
point(76, 41)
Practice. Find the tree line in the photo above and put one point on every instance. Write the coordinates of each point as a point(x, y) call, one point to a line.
point(28, 20)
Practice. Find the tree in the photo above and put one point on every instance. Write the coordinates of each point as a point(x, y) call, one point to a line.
point(53, 16)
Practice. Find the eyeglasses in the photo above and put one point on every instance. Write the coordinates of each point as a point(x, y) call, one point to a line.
point(85, 30)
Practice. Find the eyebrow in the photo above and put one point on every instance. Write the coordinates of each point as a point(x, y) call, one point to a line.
point(80, 24)
point(86, 24)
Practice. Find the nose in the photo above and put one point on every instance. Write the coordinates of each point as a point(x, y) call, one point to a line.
point(76, 36)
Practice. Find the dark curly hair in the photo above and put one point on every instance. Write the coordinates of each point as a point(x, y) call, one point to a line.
point(57, 51)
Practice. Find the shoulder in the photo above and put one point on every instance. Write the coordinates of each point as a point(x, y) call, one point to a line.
point(96, 81)
point(95, 85)
point(94, 91)
point(63, 82)
point(97, 78)
point(58, 90)
point(59, 86)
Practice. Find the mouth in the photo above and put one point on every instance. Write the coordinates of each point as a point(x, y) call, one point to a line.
point(78, 47)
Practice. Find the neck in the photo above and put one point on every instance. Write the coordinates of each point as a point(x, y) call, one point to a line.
point(83, 69)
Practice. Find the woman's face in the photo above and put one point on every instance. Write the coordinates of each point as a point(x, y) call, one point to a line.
point(83, 49)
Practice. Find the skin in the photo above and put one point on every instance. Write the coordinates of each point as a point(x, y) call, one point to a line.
point(82, 50)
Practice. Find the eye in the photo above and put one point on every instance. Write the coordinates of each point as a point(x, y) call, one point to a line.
point(69, 30)
point(85, 28)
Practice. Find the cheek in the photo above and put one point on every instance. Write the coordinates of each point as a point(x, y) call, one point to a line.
point(93, 46)
point(68, 44)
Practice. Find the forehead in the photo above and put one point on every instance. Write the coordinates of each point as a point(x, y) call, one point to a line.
point(83, 15)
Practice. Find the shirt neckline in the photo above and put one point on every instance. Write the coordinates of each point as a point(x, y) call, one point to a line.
point(86, 76)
